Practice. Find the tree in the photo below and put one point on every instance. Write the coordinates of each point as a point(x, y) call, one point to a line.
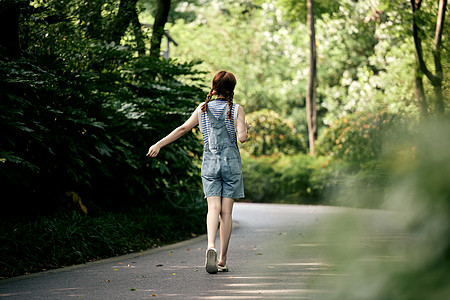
point(258, 47)
point(312, 79)
point(437, 78)
point(162, 12)
point(9, 22)
point(294, 10)
point(117, 28)
point(140, 40)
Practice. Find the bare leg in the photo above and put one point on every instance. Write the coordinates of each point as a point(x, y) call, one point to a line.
point(212, 219)
point(226, 224)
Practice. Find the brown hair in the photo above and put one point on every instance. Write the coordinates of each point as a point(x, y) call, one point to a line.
point(222, 85)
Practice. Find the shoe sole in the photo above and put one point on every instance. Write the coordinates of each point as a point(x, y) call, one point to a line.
point(222, 269)
point(211, 259)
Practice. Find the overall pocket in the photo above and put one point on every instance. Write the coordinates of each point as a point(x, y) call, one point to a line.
point(234, 165)
point(210, 165)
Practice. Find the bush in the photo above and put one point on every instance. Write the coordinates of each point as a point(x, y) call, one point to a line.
point(284, 179)
point(72, 238)
point(70, 133)
point(359, 137)
point(270, 134)
point(304, 179)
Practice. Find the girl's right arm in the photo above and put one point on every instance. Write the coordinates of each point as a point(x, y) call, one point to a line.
point(242, 125)
point(175, 134)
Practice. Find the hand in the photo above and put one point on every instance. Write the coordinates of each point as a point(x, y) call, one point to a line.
point(248, 126)
point(153, 150)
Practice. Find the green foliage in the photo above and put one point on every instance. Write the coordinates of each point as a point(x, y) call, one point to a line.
point(303, 179)
point(79, 113)
point(299, 178)
point(365, 54)
point(257, 45)
point(358, 138)
point(271, 134)
point(66, 132)
point(366, 62)
point(296, 11)
point(72, 238)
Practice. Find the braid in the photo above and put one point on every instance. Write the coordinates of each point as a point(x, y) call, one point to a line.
point(208, 98)
point(230, 104)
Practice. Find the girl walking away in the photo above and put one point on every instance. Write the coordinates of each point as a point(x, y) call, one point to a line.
point(222, 123)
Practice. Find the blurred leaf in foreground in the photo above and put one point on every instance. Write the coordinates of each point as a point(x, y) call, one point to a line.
point(403, 252)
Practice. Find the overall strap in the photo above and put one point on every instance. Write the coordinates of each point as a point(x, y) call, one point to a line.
point(213, 119)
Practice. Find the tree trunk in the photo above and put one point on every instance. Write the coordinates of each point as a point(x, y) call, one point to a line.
point(420, 92)
point(312, 79)
point(162, 13)
point(122, 20)
point(435, 79)
point(139, 36)
point(437, 56)
point(9, 24)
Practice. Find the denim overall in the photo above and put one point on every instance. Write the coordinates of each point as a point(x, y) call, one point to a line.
point(221, 165)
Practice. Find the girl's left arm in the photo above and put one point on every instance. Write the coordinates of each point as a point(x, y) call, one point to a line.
point(175, 134)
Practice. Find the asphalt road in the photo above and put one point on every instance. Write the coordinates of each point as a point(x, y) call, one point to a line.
point(276, 252)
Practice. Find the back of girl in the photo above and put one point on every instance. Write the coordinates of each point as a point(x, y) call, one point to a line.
point(222, 123)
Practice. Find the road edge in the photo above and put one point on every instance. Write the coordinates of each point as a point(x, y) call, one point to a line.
point(114, 258)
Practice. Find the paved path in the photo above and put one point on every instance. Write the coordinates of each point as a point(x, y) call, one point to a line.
point(276, 252)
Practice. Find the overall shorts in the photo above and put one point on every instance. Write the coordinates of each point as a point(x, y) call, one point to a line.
point(221, 164)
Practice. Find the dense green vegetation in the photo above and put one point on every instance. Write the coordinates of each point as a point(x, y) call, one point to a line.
point(78, 114)
point(82, 99)
point(73, 238)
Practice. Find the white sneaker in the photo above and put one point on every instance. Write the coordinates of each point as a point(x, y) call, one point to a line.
point(222, 269)
point(211, 261)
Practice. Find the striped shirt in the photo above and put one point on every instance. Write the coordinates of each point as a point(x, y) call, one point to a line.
point(216, 107)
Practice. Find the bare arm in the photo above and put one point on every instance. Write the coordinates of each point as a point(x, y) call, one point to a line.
point(242, 125)
point(174, 135)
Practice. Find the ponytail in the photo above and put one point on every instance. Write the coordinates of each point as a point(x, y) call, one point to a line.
point(230, 104)
point(208, 98)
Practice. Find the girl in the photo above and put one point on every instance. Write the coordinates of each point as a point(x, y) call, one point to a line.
point(221, 122)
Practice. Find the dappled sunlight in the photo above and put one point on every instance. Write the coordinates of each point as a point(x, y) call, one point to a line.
point(265, 293)
point(301, 264)
point(309, 245)
point(273, 291)
point(230, 297)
